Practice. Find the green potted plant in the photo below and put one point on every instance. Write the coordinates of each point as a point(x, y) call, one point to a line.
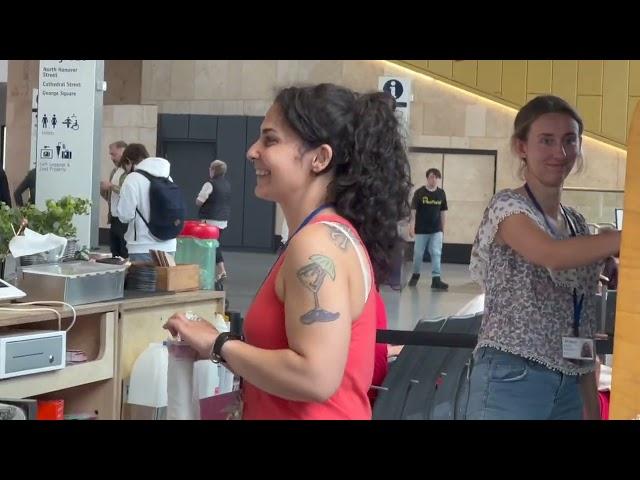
point(57, 219)
point(10, 220)
point(10, 223)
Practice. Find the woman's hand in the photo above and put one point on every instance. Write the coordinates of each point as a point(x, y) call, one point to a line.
point(199, 334)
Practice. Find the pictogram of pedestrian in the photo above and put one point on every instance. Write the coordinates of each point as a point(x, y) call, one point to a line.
point(45, 120)
point(54, 121)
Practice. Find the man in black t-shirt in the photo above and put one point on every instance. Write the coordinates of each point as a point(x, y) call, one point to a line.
point(428, 208)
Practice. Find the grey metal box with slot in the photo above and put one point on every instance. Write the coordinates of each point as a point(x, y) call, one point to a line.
point(76, 283)
point(23, 352)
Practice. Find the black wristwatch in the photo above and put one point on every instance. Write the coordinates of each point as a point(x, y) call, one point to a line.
point(216, 351)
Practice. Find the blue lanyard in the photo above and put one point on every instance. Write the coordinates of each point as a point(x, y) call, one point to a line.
point(304, 223)
point(544, 216)
point(577, 303)
point(577, 312)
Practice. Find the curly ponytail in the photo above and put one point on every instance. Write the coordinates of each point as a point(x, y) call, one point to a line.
point(371, 181)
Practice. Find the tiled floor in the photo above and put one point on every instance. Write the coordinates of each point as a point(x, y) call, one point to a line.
point(404, 308)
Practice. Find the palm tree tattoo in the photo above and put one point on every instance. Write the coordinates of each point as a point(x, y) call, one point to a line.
point(311, 276)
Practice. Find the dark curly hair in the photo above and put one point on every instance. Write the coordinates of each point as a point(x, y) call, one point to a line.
point(371, 181)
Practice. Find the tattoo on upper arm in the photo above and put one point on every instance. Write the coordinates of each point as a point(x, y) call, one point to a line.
point(339, 238)
point(312, 276)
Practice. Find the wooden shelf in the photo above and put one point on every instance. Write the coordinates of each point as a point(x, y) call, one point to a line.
point(159, 299)
point(131, 301)
point(112, 334)
point(8, 319)
point(71, 376)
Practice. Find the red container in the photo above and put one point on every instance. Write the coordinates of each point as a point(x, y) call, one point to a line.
point(204, 231)
point(50, 410)
point(200, 229)
point(187, 230)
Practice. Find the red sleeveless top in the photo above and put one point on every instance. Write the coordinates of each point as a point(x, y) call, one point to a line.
point(264, 327)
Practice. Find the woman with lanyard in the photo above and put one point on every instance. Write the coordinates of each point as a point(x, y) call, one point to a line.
point(335, 162)
point(539, 267)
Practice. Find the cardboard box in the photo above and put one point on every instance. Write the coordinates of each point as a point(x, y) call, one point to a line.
point(181, 278)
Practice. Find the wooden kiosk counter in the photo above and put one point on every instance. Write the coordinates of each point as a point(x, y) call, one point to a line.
point(112, 335)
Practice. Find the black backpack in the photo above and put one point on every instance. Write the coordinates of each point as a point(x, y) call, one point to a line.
point(167, 208)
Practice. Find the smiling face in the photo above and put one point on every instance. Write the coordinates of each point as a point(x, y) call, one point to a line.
point(551, 148)
point(282, 164)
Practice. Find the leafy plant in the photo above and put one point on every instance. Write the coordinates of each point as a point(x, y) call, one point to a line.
point(58, 216)
point(9, 217)
point(56, 219)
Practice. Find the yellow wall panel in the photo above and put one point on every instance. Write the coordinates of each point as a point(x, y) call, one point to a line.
point(590, 77)
point(633, 102)
point(604, 92)
point(514, 79)
point(442, 67)
point(490, 76)
point(539, 76)
point(465, 71)
point(634, 78)
point(565, 80)
point(590, 108)
point(418, 63)
point(614, 99)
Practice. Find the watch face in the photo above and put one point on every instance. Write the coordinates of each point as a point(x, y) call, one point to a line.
point(217, 347)
point(216, 351)
point(215, 358)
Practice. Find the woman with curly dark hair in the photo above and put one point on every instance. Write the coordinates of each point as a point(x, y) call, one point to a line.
point(336, 163)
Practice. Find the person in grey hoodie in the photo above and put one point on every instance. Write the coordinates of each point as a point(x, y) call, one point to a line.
point(134, 194)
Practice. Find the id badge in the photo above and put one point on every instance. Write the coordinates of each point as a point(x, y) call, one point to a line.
point(577, 348)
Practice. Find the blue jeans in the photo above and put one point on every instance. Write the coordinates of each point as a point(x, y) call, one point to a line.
point(509, 387)
point(144, 257)
point(434, 242)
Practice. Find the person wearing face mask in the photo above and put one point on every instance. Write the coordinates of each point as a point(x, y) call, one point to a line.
point(539, 267)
